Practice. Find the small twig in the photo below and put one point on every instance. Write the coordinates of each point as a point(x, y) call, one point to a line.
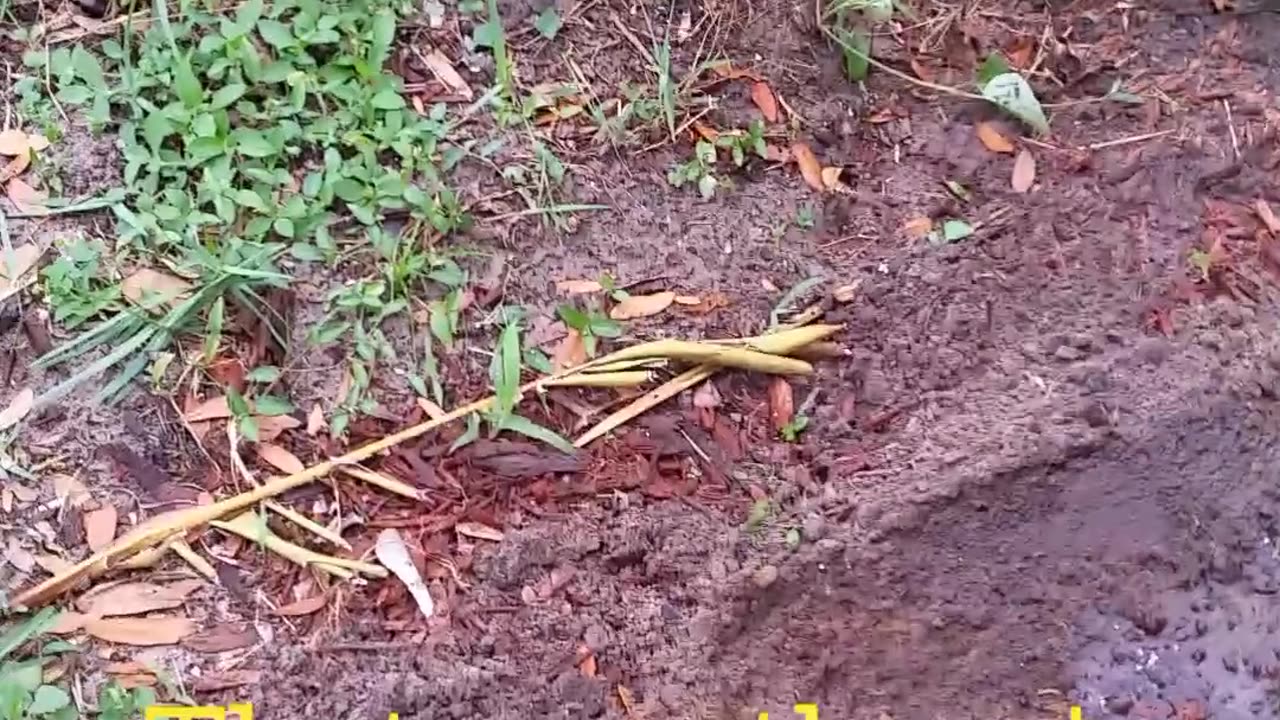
point(1131, 139)
point(1231, 126)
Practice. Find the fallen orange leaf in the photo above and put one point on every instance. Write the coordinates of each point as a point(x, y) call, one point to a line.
point(26, 198)
point(578, 287)
point(810, 169)
point(781, 403)
point(1024, 172)
point(315, 420)
point(993, 139)
point(14, 142)
point(688, 300)
point(636, 306)
point(15, 167)
point(100, 527)
point(305, 606)
point(1020, 55)
point(918, 227)
point(831, 177)
point(152, 287)
point(280, 459)
point(571, 352)
point(270, 426)
point(763, 97)
point(706, 132)
point(140, 631)
point(211, 409)
point(921, 70)
point(1268, 216)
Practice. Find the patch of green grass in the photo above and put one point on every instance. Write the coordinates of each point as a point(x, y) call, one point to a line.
point(23, 693)
point(700, 170)
point(246, 136)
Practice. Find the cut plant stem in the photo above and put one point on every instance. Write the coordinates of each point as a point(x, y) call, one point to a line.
point(391, 485)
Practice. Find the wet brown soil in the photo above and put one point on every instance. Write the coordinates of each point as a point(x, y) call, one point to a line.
point(1044, 474)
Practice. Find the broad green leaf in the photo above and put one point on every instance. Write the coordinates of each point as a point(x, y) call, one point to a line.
point(213, 330)
point(248, 427)
point(74, 94)
point(253, 143)
point(23, 631)
point(226, 95)
point(469, 435)
point(856, 48)
point(528, 428)
point(488, 35)
point(504, 370)
point(954, 230)
point(263, 374)
point(1012, 94)
point(48, 699)
point(548, 22)
point(249, 14)
point(272, 405)
point(186, 84)
point(87, 69)
point(250, 199)
point(25, 675)
point(155, 128)
point(306, 252)
point(283, 227)
point(276, 33)
point(388, 99)
point(384, 33)
point(991, 67)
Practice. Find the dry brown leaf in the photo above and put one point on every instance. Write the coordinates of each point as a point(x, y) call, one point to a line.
point(781, 403)
point(637, 306)
point(305, 606)
point(706, 397)
point(479, 531)
point(1021, 53)
point(271, 426)
point(53, 564)
point(135, 598)
point(571, 352)
point(140, 631)
point(130, 681)
point(23, 493)
point(26, 198)
point(706, 132)
point(688, 300)
point(993, 139)
point(280, 459)
point(14, 142)
point(70, 490)
point(211, 409)
point(918, 227)
point(37, 142)
point(775, 154)
point(810, 169)
point(831, 177)
point(315, 421)
point(18, 408)
point(100, 527)
point(1267, 215)
point(578, 287)
point(1024, 171)
point(726, 70)
point(921, 70)
point(225, 680)
point(152, 287)
point(14, 266)
point(444, 71)
point(763, 97)
point(222, 638)
point(70, 622)
point(431, 409)
point(15, 167)
point(19, 557)
point(127, 667)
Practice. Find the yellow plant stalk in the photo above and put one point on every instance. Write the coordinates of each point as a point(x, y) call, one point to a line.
point(252, 528)
point(623, 378)
point(654, 397)
point(173, 525)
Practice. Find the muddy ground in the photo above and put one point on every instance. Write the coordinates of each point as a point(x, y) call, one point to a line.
point(1043, 475)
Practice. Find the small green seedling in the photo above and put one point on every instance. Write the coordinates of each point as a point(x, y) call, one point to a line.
point(792, 430)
